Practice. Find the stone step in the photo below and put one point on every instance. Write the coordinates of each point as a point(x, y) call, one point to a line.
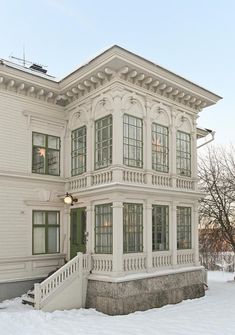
point(31, 294)
point(28, 301)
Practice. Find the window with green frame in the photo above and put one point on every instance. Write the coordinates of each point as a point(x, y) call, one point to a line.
point(132, 141)
point(78, 151)
point(103, 142)
point(103, 229)
point(46, 154)
point(160, 227)
point(132, 228)
point(183, 153)
point(184, 228)
point(160, 148)
point(46, 232)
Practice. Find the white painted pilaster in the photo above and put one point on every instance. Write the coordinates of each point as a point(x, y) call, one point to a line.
point(148, 234)
point(195, 234)
point(90, 149)
point(117, 136)
point(89, 228)
point(172, 146)
point(66, 152)
point(117, 129)
point(173, 233)
point(66, 232)
point(194, 156)
point(117, 238)
point(148, 144)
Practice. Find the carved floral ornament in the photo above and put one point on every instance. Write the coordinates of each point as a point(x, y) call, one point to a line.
point(160, 114)
point(78, 117)
point(82, 88)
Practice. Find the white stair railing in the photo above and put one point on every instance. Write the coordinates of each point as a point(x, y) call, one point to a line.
point(75, 268)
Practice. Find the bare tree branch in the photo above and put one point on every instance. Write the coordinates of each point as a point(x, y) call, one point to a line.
point(217, 209)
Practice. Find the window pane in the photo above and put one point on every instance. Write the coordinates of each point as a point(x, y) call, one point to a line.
point(53, 158)
point(132, 141)
point(53, 218)
point(53, 239)
point(184, 237)
point(46, 232)
point(46, 154)
point(39, 218)
point(160, 228)
point(78, 151)
point(39, 140)
point(39, 160)
point(183, 154)
point(160, 150)
point(39, 240)
point(103, 229)
point(103, 142)
point(132, 228)
point(53, 142)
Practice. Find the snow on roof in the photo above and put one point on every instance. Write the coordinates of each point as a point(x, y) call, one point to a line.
point(27, 70)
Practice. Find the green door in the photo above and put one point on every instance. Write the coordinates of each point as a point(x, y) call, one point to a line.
point(77, 231)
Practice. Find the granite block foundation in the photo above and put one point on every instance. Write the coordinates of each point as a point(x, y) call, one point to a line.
point(127, 296)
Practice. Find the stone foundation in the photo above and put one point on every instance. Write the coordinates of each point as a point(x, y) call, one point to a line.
point(118, 298)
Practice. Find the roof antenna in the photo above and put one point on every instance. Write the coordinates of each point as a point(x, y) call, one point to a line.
point(22, 60)
point(32, 65)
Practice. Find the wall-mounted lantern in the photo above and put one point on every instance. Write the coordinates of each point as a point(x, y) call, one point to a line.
point(69, 199)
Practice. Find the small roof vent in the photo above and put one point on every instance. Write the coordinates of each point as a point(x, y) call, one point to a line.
point(38, 68)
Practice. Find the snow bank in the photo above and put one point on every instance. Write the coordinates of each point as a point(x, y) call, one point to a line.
point(209, 315)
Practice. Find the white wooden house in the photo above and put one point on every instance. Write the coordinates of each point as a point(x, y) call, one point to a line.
point(119, 134)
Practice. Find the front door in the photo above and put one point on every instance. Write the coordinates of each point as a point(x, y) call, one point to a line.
point(77, 231)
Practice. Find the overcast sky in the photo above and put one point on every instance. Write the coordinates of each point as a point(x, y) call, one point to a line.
point(194, 38)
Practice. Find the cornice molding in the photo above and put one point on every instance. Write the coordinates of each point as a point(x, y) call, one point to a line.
point(28, 89)
point(114, 65)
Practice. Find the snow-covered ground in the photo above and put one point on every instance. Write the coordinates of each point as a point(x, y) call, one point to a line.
point(212, 314)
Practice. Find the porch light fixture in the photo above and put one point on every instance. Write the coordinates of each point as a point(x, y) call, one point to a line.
point(69, 199)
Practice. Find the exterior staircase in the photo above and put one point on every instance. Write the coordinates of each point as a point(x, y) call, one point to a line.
point(63, 289)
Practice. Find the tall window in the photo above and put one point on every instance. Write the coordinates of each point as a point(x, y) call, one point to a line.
point(46, 232)
point(78, 151)
point(184, 227)
point(133, 141)
point(160, 148)
point(46, 154)
point(103, 142)
point(183, 154)
point(160, 228)
point(132, 228)
point(103, 229)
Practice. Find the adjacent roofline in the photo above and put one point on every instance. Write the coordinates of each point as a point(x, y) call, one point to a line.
point(115, 46)
point(27, 70)
point(203, 132)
